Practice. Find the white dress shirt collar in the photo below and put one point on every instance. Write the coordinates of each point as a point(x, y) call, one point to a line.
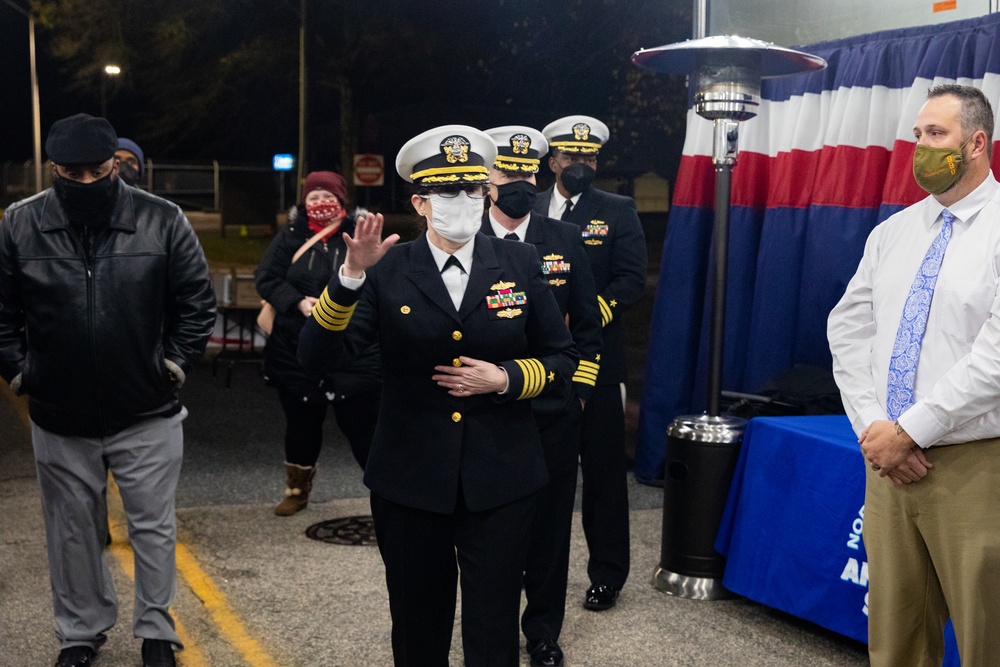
point(463, 255)
point(500, 231)
point(968, 206)
point(557, 204)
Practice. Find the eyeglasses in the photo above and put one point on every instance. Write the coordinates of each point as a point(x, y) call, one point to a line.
point(451, 191)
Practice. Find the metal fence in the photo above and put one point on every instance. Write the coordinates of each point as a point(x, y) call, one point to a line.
point(192, 186)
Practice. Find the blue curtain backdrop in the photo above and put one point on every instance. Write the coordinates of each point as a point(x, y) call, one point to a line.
point(827, 159)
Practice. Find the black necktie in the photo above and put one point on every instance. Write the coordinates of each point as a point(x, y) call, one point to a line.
point(511, 236)
point(566, 211)
point(453, 261)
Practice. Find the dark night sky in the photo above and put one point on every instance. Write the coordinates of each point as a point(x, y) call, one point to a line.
point(56, 102)
point(15, 119)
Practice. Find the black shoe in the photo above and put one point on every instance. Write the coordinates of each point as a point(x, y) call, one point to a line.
point(157, 653)
point(600, 597)
point(544, 653)
point(76, 656)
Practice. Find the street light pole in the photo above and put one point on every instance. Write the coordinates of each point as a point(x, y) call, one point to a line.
point(36, 116)
point(301, 172)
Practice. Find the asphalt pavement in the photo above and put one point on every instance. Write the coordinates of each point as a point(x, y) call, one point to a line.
point(255, 590)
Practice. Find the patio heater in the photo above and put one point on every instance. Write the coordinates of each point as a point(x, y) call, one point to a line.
point(702, 450)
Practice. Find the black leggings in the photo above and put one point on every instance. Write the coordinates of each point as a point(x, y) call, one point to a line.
point(356, 416)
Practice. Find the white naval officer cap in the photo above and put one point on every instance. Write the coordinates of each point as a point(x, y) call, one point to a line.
point(576, 134)
point(519, 148)
point(447, 155)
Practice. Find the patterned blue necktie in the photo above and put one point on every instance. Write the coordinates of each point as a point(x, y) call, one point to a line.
point(906, 349)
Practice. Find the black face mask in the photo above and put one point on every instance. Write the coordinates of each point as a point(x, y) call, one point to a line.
point(516, 199)
point(577, 177)
point(128, 173)
point(86, 199)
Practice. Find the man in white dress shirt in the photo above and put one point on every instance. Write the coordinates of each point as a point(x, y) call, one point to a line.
point(916, 354)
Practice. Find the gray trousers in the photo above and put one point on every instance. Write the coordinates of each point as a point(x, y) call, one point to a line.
point(145, 460)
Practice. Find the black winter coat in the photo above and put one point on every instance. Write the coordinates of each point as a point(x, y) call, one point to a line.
point(89, 333)
point(284, 285)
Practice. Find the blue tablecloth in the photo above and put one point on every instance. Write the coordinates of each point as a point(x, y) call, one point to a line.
point(791, 530)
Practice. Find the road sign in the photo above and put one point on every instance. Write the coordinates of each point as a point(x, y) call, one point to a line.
point(369, 169)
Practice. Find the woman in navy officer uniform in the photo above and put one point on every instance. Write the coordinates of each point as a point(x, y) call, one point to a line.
point(469, 331)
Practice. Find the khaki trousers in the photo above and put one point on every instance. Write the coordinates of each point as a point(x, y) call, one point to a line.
point(933, 550)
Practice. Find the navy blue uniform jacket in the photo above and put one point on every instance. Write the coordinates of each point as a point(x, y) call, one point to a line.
point(616, 248)
point(428, 442)
point(565, 265)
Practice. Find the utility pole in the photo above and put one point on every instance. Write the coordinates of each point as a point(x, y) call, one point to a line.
point(301, 173)
point(36, 116)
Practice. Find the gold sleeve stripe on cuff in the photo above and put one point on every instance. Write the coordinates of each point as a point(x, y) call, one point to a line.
point(606, 313)
point(331, 315)
point(586, 373)
point(534, 377)
point(589, 365)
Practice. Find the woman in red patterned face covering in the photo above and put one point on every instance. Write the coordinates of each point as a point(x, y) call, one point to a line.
point(292, 284)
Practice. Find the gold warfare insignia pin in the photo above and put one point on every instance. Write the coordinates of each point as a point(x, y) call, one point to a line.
point(502, 285)
point(581, 132)
point(455, 149)
point(557, 282)
point(509, 313)
point(552, 257)
point(520, 143)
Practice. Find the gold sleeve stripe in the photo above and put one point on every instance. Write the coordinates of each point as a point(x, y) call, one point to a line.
point(585, 378)
point(606, 314)
point(534, 377)
point(330, 315)
point(586, 373)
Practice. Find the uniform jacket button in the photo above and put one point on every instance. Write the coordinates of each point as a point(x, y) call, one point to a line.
point(456, 417)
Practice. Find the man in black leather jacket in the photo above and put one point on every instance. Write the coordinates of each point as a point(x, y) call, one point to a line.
point(105, 304)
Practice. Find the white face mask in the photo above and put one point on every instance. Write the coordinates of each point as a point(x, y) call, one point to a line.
point(456, 218)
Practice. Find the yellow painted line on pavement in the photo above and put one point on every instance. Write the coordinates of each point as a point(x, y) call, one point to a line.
point(223, 615)
point(225, 618)
point(121, 549)
point(200, 583)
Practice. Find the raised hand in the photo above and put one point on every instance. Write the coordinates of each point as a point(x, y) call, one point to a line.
point(366, 247)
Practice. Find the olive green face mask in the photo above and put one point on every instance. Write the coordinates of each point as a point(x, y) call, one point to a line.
point(937, 169)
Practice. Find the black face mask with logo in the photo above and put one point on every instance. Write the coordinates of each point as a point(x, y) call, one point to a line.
point(577, 177)
point(86, 203)
point(516, 199)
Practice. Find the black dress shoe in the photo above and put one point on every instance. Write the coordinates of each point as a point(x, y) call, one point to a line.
point(157, 653)
point(600, 597)
point(76, 656)
point(544, 653)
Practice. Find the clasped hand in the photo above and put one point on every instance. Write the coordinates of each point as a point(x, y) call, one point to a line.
point(893, 453)
point(472, 377)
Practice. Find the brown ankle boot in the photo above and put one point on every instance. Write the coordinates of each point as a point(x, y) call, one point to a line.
point(299, 483)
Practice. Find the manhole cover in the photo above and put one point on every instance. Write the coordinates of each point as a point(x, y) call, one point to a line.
point(357, 531)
